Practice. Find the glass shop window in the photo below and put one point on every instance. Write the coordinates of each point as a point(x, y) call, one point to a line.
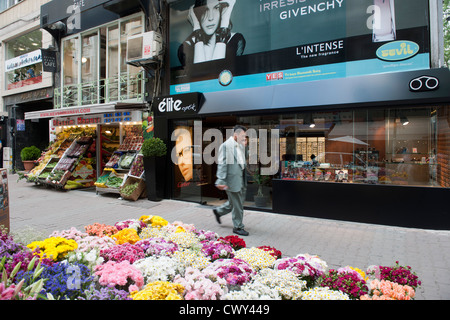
point(376, 146)
point(23, 60)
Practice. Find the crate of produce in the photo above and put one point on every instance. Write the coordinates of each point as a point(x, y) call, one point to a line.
point(114, 181)
point(132, 189)
point(137, 168)
point(101, 181)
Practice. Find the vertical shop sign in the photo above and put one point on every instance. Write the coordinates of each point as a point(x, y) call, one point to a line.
point(48, 60)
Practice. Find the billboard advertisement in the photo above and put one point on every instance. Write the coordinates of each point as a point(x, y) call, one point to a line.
point(220, 45)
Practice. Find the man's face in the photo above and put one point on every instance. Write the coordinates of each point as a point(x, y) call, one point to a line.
point(241, 137)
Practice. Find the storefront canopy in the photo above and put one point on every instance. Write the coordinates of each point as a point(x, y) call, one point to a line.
point(386, 89)
point(83, 110)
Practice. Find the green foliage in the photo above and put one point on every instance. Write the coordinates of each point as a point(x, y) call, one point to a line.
point(30, 153)
point(154, 147)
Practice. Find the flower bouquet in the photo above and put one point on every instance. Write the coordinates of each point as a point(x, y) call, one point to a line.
point(159, 290)
point(90, 243)
point(126, 235)
point(123, 252)
point(308, 268)
point(398, 274)
point(217, 250)
point(156, 268)
point(201, 285)
point(55, 248)
point(257, 258)
point(234, 241)
point(157, 246)
point(388, 290)
point(347, 282)
point(235, 272)
point(100, 230)
point(121, 275)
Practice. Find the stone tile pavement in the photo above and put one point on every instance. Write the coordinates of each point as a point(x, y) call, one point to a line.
point(339, 243)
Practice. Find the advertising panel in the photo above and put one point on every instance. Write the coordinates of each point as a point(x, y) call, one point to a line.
point(220, 45)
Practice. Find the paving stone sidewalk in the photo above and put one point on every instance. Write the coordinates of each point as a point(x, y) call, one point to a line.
point(339, 243)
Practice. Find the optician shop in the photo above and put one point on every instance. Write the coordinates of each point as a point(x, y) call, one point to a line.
point(356, 100)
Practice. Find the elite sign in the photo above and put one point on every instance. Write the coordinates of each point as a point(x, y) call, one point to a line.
point(181, 105)
point(290, 41)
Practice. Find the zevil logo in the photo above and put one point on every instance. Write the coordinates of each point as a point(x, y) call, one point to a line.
point(397, 50)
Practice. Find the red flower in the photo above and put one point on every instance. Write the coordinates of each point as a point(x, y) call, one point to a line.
point(234, 241)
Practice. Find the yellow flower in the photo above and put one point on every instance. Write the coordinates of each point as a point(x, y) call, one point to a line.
point(180, 229)
point(126, 235)
point(159, 290)
point(146, 219)
point(55, 248)
point(158, 222)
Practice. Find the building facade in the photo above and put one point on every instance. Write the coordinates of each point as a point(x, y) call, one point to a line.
point(24, 86)
point(347, 102)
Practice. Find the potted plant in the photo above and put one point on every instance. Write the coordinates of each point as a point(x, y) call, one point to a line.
point(154, 150)
point(28, 156)
point(260, 198)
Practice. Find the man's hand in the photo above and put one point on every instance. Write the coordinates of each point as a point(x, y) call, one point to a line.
point(222, 187)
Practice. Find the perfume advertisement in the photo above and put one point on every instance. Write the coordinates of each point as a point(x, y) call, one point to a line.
point(220, 45)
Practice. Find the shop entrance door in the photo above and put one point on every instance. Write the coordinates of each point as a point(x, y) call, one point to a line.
point(193, 179)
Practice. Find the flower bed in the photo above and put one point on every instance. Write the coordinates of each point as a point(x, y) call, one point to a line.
point(152, 259)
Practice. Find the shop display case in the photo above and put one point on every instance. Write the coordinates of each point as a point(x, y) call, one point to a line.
point(124, 166)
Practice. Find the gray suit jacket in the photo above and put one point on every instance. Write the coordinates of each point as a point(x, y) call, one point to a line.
point(230, 169)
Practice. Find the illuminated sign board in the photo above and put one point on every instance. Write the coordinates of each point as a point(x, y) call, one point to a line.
point(291, 41)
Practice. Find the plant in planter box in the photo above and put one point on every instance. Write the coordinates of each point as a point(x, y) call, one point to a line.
point(260, 180)
point(29, 155)
point(153, 150)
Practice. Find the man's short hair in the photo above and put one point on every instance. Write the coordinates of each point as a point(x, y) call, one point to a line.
point(238, 128)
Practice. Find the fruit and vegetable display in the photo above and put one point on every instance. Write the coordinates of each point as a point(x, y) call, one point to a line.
point(114, 161)
point(126, 160)
point(114, 182)
point(129, 189)
point(137, 168)
point(63, 156)
point(56, 176)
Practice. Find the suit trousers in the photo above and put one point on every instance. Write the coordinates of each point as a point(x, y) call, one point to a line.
point(235, 205)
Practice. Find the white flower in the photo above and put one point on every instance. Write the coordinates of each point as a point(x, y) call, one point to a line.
point(324, 293)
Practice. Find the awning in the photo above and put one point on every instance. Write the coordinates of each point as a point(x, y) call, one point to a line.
point(83, 110)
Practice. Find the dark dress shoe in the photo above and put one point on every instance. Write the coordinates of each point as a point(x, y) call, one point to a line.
point(240, 232)
point(216, 214)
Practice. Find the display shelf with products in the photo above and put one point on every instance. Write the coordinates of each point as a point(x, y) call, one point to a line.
point(124, 162)
point(70, 163)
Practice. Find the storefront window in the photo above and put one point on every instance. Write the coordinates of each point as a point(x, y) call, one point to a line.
point(23, 60)
point(392, 146)
point(375, 146)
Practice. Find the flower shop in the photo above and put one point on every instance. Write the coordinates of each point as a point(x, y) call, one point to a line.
point(152, 259)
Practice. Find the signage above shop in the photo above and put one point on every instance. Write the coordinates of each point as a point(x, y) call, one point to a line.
point(109, 108)
point(122, 117)
point(338, 39)
point(179, 105)
point(424, 83)
point(24, 60)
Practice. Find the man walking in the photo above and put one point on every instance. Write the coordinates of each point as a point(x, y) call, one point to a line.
point(231, 177)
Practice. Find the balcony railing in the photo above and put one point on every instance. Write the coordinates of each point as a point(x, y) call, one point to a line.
point(125, 87)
